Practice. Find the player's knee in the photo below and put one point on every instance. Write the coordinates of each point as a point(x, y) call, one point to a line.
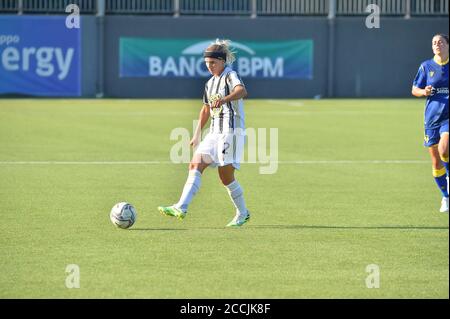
point(226, 180)
point(194, 164)
point(199, 166)
point(443, 150)
point(437, 165)
point(444, 158)
point(443, 153)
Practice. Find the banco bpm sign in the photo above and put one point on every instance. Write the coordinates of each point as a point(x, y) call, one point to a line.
point(149, 57)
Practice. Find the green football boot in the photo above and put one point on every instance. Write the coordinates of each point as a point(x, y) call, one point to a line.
point(172, 211)
point(239, 220)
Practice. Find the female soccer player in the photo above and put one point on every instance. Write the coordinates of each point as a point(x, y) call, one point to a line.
point(223, 145)
point(432, 81)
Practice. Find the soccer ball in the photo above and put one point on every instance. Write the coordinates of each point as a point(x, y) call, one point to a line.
point(123, 215)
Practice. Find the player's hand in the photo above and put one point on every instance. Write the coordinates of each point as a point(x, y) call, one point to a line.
point(195, 141)
point(429, 90)
point(217, 103)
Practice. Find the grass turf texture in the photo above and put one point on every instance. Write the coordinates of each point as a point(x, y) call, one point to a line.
point(314, 227)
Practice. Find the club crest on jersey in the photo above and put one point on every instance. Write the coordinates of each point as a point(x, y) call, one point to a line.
point(431, 74)
point(426, 138)
point(215, 111)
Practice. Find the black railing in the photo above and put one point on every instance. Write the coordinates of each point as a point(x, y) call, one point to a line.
point(252, 8)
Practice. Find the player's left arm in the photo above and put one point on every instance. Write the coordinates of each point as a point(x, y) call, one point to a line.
point(239, 92)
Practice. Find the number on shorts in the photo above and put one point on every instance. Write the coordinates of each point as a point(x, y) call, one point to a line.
point(226, 146)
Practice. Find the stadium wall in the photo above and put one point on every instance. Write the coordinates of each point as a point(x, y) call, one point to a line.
point(348, 59)
point(382, 62)
point(90, 59)
point(365, 62)
point(210, 28)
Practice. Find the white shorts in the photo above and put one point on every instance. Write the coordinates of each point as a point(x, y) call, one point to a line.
point(222, 149)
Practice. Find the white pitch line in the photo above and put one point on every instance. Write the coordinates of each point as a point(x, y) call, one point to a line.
point(300, 162)
point(356, 162)
point(85, 162)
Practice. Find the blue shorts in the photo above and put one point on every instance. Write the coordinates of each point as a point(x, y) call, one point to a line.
point(433, 136)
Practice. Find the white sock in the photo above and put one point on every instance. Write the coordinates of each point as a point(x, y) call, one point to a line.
point(237, 196)
point(190, 189)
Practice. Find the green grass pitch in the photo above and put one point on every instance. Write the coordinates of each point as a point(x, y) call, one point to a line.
point(338, 202)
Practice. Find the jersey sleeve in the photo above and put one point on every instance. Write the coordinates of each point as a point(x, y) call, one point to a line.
point(420, 80)
point(234, 80)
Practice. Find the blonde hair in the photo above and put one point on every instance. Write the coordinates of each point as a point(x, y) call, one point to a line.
point(224, 47)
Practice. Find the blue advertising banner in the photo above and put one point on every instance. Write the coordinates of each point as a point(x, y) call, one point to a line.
point(40, 56)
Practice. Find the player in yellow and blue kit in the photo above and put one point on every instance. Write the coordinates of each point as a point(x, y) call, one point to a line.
point(432, 82)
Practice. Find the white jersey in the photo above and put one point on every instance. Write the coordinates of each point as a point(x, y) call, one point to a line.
point(231, 117)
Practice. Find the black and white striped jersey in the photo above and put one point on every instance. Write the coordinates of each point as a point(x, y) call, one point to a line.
point(231, 116)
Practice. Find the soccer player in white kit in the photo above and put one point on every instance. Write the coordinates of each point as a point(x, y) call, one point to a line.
point(224, 144)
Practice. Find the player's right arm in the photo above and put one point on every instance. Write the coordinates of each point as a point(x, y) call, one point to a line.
point(202, 119)
point(418, 92)
point(420, 87)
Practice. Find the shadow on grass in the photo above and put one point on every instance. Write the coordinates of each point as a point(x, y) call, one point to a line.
point(157, 229)
point(383, 227)
point(405, 227)
point(175, 229)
